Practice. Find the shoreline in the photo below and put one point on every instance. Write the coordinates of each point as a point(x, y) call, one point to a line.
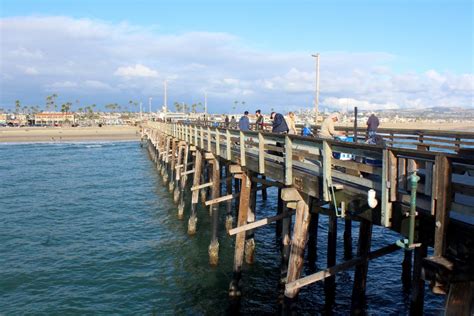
point(68, 134)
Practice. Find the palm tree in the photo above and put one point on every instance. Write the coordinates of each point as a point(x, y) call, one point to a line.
point(177, 106)
point(17, 106)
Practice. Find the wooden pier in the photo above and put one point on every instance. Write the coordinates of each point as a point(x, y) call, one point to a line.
point(425, 195)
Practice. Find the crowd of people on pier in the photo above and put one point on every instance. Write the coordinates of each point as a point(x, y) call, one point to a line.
point(281, 124)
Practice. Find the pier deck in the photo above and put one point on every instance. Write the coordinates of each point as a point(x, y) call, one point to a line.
point(422, 193)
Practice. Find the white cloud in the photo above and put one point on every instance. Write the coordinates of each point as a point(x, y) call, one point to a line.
point(62, 85)
point(28, 70)
point(114, 62)
point(136, 71)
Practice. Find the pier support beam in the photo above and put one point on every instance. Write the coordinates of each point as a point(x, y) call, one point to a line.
point(313, 238)
point(177, 170)
point(234, 289)
point(214, 209)
point(250, 240)
point(330, 282)
point(360, 274)
point(192, 222)
point(418, 285)
point(347, 239)
point(183, 181)
point(406, 270)
point(229, 220)
point(298, 242)
point(172, 164)
point(285, 245)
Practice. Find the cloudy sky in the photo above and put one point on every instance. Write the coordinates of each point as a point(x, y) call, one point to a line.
point(374, 54)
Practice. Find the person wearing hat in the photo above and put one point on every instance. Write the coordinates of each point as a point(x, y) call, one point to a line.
point(327, 128)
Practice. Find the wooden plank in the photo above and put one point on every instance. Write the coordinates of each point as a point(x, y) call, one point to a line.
point(327, 175)
point(242, 149)
point(331, 271)
point(349, 164)
point(402, 174)
point(428, 189)
point(288, 161)
point(386, 206)
point(443, 203)
point(261, 153)
point(367, 183)
point(202, 137)
point(393, 174)
point(201, 186)
point(228, 145)
point(218, 143)
point(259, 223)
point(222, 199)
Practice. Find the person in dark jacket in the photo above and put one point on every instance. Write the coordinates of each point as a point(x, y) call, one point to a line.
point(259, 120)
point(279, 124)
point(244, 122)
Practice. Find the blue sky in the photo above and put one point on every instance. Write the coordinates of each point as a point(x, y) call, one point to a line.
point(419, 53)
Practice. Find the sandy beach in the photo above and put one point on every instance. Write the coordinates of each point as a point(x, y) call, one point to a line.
point(58, 134)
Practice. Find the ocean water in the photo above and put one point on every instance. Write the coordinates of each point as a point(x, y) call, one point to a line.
point(90, 228)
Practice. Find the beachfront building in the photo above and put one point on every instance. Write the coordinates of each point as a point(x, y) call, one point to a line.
point(54, 118)
point(3, 119)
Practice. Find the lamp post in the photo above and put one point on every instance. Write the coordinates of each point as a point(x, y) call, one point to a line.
point(316, 99)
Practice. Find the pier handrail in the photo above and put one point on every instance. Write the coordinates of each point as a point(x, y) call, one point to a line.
point(431, 140)
point(292, 158)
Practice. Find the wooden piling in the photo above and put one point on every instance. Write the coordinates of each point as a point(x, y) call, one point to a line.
point(234, 289)
point(360, 274)
point(278, 226)
point(183, 181)
point(330, 282)
point(192, 222)
point(214, 245)
point(313, 238)
point(406, 270)
point(264, 190)
point(418, 285)
point(177, 170)
point(298, 243)
point(172, 164)
point(250, 240)
point(285, 245)
point(229, 220)
point(347, 239)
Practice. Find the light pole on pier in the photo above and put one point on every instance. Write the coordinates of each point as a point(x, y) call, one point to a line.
point(316, 97)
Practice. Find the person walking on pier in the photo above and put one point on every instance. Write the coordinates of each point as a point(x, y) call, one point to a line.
point(259, 120)
point(233, 122)
point(291, 121)
point(372, 125)
point(327, 128)
point(244, 122)
point(279, 124)
point(226, 121)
